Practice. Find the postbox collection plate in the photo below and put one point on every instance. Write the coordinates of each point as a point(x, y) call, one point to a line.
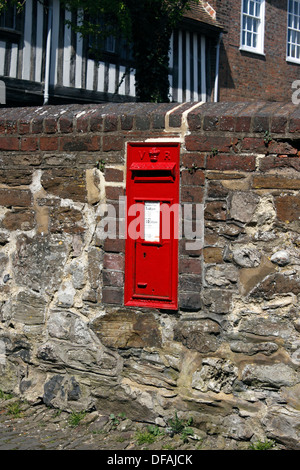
point(152, 198)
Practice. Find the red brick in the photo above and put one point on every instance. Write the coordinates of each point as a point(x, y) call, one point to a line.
point(217, 113)
point(66, 124)
point(2, 125)
point(216, 190)
point(243, 124)
point(9, 143)
point(261, 123)
point(49, 143)
point(278, 124)
point(192, 177)
point(11, 126)
point(190, 283)
point(96, 122)
point(190, 266)
point(269, 162)
point(230, 162)
point(126, 122)
point(280, 118)
point(110, 123)
point(244, 119)
point(227, 123)
point(111, 143)
point(204, 143)
point(254, 144)
point(192, 194)
point(294, 124)
point(113, 278)
point(283, 148)
point(80, 143)
point(211, 122)
point(220, 175)
point(114, 192)
point(83, 123)
point(193, 160)
point(37, 125)
point(114, 174)
point(50, 125)
point(229, 115)
point(112, 296)
point(29, 144)
point(115, 245)
point(113, 261)
point(24, 127)
point(189, 301)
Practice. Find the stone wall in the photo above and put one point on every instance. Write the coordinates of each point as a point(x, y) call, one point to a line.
point(230, 355)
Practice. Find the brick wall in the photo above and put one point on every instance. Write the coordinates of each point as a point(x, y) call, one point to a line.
point(248, 76)
point(233, 344)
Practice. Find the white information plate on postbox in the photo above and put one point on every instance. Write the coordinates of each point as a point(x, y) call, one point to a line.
point(152, 222)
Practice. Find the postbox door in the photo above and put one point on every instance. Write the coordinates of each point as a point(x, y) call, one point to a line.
point(151, 268)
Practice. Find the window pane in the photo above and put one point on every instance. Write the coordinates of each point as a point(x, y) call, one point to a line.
point(293, 34)
point(249, 24)
point(110, 44)
point(257, 10)
point(255, 40)
point(293, 51)
point(249, 39)
point(251, 9)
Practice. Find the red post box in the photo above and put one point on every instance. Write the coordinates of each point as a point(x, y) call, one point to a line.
point(152, 196)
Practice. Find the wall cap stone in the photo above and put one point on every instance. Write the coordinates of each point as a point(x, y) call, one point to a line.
point(250, 117)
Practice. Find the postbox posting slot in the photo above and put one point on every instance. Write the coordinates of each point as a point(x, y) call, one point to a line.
point(143, 166)
point(147, 172)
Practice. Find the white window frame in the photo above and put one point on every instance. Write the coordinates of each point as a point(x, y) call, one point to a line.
point(293, 26)
point(259, 48)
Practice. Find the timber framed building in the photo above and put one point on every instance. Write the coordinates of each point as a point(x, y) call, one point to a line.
point(43, 61)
